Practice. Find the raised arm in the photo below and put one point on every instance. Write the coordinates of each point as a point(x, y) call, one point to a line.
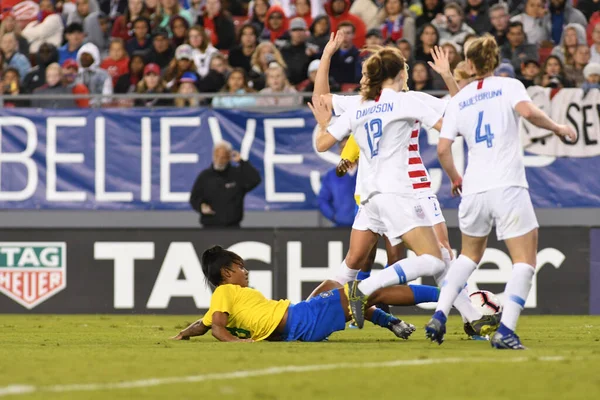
point(219, 328)
point(537, 117)
point(441, 65)
point(322, 78)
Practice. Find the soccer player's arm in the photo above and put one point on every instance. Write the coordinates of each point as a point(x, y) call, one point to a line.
point(196, 329)
point(349, 156)
point(221, 306)
point(448, 134)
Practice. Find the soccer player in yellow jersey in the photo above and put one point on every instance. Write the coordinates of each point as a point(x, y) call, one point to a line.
point(238, 313)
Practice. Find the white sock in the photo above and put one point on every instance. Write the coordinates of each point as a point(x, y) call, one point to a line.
point(457, 276)
point(462, 303)
point(515, 294)
point(403, 271)
point(345, 274)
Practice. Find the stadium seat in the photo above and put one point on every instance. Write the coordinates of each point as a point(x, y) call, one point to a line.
point(238, 22)
point(302, 85)
point(544, 53)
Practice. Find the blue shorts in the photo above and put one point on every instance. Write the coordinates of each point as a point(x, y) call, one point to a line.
point(315, 319)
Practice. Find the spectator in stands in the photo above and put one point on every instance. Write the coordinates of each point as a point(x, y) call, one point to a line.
point(276, 24)
point(218, 192)
point(141, 40)
point(152, 83)
point(11, 86)
point(581, 58)
point(277, 83)
point(2, 61)
point(420, 77)
point(170, 8)
point(453, 50)
point(80, 13)
point(505, 69)
point(186, 88)
point(406, 50)
point(428, 38)
point(296, 52)
point(339, 12)
point(595, 48)
point(499, 19)
point(74, 35)
point(336, 197)
point(553, 74)
point(47, 28)
point(112, 8)
point(69, 77)
point(259, 14)
point(240, 55)
point(219, 24)
point(477, 16)
point(562, 14)
point(127, 82)
point(432, 10)
point(516, 49)
point(46, 55)
point(529, 71)
point(202, 49)
point(588, 7)
point(123, 27)
point(334, 87)
point(265, 53)
point(345, 63)
point(196, 9)
point(591, 72)
point(97, 80)
point(453, 27)
point(53, 87)
point(162, 52)
point(180, 28)
point(182, 63)
point(154, 11)
point(369, 12)
point(302, 10)
point(373, 38)
point(9, 24)
point(533, 20)
point(237, 84)
point(397, 22)
point(13, 58)
point(117, 62)
point(214, 81)
point(320, 31)
point(97, 31)
point(573, 36)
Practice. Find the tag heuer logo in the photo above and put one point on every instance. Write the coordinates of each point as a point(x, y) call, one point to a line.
point(32, 272)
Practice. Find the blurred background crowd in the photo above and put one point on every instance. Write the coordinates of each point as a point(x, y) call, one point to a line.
point(237, 47)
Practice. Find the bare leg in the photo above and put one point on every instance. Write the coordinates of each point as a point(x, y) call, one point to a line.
point(397, 295)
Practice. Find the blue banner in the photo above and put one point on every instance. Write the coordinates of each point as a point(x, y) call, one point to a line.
point(134, 159)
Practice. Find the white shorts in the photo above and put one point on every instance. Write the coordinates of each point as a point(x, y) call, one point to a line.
point(391, 215)
point(509, 208)
point(432, 209)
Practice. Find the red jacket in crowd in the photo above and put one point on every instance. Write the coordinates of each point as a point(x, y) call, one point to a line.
point(115, 68)
point(276, 34)
point(359, 25)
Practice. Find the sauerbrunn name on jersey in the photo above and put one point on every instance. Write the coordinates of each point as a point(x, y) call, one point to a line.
point(32, 272)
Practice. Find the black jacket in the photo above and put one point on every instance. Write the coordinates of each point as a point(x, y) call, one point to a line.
point(297, 61)
point(224, 29)
point(237, 58)
point(224, 192)
point(346, 66)
point(36, 77)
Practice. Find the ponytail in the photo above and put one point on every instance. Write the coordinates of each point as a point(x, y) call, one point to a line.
point(386, 63)
point(483, 52)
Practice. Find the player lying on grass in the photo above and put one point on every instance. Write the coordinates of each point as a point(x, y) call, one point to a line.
point(239, 313)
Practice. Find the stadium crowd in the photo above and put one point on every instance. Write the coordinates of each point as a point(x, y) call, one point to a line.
point(241, 46)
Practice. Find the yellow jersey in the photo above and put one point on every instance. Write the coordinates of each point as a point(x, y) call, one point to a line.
point(351, 152)
point(251, 315)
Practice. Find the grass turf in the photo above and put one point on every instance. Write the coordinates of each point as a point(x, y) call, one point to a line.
point(58, 350)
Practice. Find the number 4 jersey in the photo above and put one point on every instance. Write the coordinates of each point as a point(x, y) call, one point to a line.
point(385, 132)
point(483, 112)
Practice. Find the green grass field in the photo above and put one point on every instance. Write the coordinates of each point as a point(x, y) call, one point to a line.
point(100, 357)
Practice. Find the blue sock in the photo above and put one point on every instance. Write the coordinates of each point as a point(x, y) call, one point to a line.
point(439, 315)
point(382, 318)
point(363, 275)
point(503, 330)
point(425, 294)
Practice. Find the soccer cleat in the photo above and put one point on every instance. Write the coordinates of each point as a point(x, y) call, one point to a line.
point(357, 302)
point(507, 342)
point(402, 329)
point(352, 325)
point(485, 326)
point(435, 330)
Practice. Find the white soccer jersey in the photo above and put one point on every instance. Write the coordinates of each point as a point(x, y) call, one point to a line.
point(383, 131)
point(483, 112)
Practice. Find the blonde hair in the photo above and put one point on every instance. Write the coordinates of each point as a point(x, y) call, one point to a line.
point(276, 67)
point(385, 63)
point(255, 62)
point(483, 52)
point(460, 72)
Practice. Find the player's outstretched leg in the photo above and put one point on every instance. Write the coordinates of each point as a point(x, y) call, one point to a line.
point(523, 251)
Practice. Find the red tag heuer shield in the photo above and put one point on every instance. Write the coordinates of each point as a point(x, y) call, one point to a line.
point(32, 272)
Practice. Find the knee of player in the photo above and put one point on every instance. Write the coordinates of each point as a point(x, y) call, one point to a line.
point(436, 262)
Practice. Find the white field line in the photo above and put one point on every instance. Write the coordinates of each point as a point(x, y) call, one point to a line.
point(144, 383)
